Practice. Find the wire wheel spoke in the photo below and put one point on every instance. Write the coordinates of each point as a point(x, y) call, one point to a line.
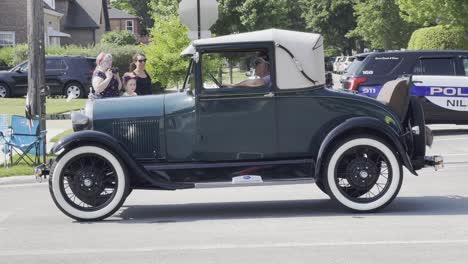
point(88, 182)
point(362, 174)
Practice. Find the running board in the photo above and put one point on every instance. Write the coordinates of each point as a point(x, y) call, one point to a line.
point(225, 184)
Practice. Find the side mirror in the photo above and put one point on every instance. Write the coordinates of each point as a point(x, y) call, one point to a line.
point(19, 70)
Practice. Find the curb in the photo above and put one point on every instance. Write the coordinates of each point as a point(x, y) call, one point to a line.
point(14, 180)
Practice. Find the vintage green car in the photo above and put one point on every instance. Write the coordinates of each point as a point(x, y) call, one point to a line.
point(253, 111)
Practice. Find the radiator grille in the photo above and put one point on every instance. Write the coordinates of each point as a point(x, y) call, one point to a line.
point(141, 137)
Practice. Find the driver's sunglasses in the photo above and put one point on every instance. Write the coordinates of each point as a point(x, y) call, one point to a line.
point(260, 61)
point(141, 61)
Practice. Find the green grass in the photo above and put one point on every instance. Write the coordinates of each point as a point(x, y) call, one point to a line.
point(19, 170)
point(59, 136)
point(15, 106)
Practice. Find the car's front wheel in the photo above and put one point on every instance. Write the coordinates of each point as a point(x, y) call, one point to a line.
point(88, 183)
point(362, 173)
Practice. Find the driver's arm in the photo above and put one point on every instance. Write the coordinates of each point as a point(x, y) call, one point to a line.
point(250, 83)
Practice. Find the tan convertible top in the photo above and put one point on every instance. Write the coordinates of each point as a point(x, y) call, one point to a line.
point(305, 68)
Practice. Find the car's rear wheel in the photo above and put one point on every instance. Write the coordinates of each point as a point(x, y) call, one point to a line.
point(4, 90)
point(75, 90)
point(88, 183)
point(362, 174)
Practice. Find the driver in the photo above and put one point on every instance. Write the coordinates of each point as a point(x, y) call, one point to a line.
point(262, 70)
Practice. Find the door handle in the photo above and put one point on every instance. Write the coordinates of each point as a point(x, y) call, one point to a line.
point(270, 94)
point(417, 81)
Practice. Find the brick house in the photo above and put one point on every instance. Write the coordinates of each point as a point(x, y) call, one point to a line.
point(80, 22)
point(121, 20)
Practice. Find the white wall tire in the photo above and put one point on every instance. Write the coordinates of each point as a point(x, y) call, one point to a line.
point(60, 200)
point(392, 186)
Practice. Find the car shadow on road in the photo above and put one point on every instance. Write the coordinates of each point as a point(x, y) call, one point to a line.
point(404, 206)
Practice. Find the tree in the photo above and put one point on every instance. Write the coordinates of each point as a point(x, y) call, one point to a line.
point(248, 15)
point(138, 8)
point(229, 18)
point(168, 40)
point(435, 12)
point(164, 9)
point(379, 24)
point(332, 19)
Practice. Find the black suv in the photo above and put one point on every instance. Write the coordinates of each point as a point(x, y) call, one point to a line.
point(440, 79)
point(64, 75)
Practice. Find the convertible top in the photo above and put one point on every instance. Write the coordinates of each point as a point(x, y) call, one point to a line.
point(299, 56)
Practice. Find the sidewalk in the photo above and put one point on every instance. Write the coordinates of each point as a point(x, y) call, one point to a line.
point(54, 127)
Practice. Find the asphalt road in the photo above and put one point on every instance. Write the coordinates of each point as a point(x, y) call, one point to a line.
point(427, 223)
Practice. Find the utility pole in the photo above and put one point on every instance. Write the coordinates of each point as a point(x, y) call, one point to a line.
point(35, 100)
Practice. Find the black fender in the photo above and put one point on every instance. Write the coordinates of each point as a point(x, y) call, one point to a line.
point(135, 169)
point(368, 123)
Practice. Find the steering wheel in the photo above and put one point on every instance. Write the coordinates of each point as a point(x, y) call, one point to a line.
point(215, 80)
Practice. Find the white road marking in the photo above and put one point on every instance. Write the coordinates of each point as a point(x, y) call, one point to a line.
point(42, 252)
point(448, 139)
point(4, 217)
point(22, 185)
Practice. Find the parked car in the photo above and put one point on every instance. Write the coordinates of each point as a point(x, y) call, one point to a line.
point(219, 132)
point(347, 60)
point(64, 75)
point(440, 80)
point(336, 64)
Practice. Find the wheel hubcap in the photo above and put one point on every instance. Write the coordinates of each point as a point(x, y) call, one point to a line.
point(88, 182)
point(2, 91)
point(74, 90)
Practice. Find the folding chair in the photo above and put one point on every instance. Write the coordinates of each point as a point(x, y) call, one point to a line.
point(25, 140)
point(4, 137)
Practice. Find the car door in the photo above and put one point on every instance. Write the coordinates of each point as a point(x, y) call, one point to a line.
point(234, 121)
point(442, 85)
point(20, 78)
point(54, 72)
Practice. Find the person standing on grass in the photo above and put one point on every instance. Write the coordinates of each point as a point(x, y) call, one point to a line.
point(143, 80)
point(106, 83)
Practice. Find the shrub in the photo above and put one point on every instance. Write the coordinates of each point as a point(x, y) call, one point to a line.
point(438, 38)
point(6, 57)
point(119, 38)
point(10, 56)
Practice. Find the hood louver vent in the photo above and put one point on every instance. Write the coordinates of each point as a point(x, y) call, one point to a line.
point(141, 137)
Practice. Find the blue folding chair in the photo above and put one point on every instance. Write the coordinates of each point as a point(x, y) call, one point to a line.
point(25, 140)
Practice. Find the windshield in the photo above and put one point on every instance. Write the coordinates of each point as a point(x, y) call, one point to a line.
point(23, 67)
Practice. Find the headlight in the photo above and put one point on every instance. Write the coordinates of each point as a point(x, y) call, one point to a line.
point(79, 121)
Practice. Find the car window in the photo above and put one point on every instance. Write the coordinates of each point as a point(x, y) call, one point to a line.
point(236, 69)
point(355, 65)
point(435, 66)
point(381, 65)
point(55, 64)
point(465, 65)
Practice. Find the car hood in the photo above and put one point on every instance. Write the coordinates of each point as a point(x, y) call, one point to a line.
point(128, 107)
point(5, 73)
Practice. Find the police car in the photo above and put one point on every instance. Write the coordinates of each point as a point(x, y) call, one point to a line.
point(440, 80)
